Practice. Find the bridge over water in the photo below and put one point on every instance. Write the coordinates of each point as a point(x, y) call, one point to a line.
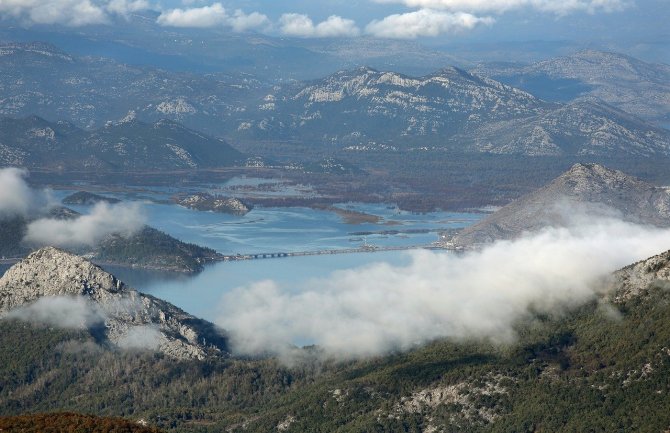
point(363, 249)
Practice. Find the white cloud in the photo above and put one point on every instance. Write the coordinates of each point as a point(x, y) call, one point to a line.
point(241, 22)
point(380, 308)
point(89, 229)
point(144, 337)
point(72, 13)
point(70, 312)
point(206, 16)
point(124, 7)
point(212, 16)
point(424, 22)
point(302, 26)
point(560, 7)
point(16, 197)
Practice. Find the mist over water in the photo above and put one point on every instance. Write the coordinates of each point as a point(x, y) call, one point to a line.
point(378, 308)
point(17, 198)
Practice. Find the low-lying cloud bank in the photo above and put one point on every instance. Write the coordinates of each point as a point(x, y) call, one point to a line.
point(380, 308)
point(18, 199)
point(87, 230)
point(79, 312)
point(66, 312)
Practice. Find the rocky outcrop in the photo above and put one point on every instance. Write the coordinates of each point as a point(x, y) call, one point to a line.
point(115, 312)
point(584, 190)
point(88, 198)
point(634, 280)
point(208, 202)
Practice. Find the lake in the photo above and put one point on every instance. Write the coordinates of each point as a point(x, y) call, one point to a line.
point(266, 230)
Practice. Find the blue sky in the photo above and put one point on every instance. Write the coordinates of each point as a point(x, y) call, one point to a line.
point(429, 20)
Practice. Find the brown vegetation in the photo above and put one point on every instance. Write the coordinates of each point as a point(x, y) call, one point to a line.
point(70, 422)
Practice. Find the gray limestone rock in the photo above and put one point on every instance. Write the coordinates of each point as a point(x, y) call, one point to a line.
point(125, 317)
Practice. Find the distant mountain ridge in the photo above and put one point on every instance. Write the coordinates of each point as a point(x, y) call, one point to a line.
point(585, 188)
point(39, 78)
point(635, 86)
point(126, 145)
point(128, 318)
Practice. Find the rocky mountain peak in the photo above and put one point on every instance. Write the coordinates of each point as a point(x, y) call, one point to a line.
point(50, 271)
point(588, 189)
point(584, 178)
point(52, 284)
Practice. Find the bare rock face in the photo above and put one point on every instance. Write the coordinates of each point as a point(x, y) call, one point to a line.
point(634, 280)
point(51, 284)
point(589, 189)
point(215, 203)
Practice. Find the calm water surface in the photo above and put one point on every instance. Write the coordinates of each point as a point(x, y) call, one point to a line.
point(275, 230)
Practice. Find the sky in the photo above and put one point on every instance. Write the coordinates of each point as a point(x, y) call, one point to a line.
point(432, 20)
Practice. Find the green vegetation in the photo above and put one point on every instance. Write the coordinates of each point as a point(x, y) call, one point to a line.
point(12, 231)
point(88, 198)
point(596, 370)
point(151, 248)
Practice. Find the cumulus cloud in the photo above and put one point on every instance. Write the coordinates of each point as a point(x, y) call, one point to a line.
point(302, 26)
point(87, 230)
point(124, 7)
point(16, 197)
point(380, 308)
point(72, 13)
point(212, 16)
point(424, 22)
point(559, 7)
point(69, 312)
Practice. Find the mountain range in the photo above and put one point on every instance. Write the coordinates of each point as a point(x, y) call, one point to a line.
point(354, 110)
point(451, 110)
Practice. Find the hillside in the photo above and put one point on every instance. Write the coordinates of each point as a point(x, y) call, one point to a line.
point(153, 249)
point(582, 190)
point(148, 248)
point(64, 290)
point(637, 87)
point(602, 367)
point(125, 145)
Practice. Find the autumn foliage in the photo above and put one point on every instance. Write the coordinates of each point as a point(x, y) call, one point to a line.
point(70, 423)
